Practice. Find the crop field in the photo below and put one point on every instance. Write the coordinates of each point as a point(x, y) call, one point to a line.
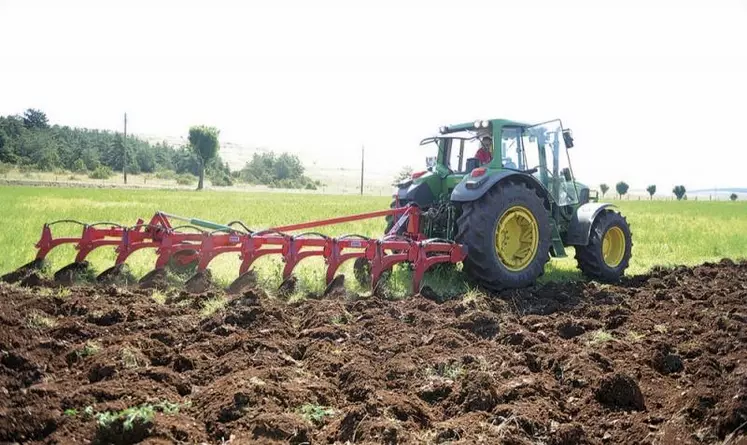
point(664, 233)
point(658, 358)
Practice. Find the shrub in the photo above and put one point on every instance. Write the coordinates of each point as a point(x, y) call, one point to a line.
point(79, 166)
point(101, 172)
point(185, 179)
point(165, 174)
point(27, 168)
point(5, 168)
point(221, 179)
point(733, 196)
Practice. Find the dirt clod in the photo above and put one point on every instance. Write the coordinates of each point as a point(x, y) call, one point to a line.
point(620, 391)
point(200, 282)
point(665, 361)
point(245, 281)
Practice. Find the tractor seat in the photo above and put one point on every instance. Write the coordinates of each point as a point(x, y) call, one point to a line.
point(471, 164)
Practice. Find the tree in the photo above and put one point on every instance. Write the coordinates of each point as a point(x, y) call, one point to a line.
point(33, 118)
point(404, 174)
point(204, 142)
point(651, 189)
point(622, 188)
point(733, 196)
point(79, 166)
point(604, 188)
point(679, 191)
point(6, 153)
point(146, 160)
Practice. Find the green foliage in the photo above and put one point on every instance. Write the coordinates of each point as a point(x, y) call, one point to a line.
point(221, 179)
point(316, 413)
point(679, 191)
point(33, 118)
point(404, 174)
point(621, 188)
point(79, 166)
point(600, 336)
point(733, 196)
point(185, 179)
point(5, 168)
point(30, 140)
point(165, 174)
point(283, 171)
point(604, 188)
point(129, 417)
point(204, 141)
point(101, 172)
point(212, 306)
point(651, 189)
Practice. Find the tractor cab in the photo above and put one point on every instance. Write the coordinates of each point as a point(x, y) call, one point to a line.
point(468, 154)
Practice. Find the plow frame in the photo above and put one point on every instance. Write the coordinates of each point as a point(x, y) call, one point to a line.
point(199, 246)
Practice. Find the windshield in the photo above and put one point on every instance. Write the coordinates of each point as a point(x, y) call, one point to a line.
point(546, 140)
point(457, 149)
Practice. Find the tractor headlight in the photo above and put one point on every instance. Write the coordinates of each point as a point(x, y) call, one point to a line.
point(485, 124)
point(443, 129)
point(477, 124)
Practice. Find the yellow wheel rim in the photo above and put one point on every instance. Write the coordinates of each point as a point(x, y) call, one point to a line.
point(517, 238)
point(613, 246)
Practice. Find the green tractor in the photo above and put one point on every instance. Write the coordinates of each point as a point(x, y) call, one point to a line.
point(506, 191)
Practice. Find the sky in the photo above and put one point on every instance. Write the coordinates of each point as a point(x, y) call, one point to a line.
point(655, 91)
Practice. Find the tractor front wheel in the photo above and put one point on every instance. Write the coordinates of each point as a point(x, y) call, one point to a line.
point(609, 250)
point(507, 235)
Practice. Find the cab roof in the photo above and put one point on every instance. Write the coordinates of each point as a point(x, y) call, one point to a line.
point(481, 124)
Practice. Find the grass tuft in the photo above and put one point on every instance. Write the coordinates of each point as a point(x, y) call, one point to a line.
point(451, 371)
point(35, 320)
point(158, 296)
point(599, 337)
point(316, 413)
point(129, 358)
point(90, 348)
point(213, 305)
point(634, 336)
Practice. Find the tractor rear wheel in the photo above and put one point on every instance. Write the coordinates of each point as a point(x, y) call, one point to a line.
point(507, 235)
point(609, 250)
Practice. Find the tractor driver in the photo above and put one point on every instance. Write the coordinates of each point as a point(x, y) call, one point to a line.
point(485, 152)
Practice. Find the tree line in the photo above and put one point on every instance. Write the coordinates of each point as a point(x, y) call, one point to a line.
point(679, 191)
point(30, 142)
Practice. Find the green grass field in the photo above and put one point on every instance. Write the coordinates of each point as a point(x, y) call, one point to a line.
point(664, 232)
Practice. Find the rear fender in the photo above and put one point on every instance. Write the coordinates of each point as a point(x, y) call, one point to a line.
point(472, 189)
point(579, 229)
point(421, 194)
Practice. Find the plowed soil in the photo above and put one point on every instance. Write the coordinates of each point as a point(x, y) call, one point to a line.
point(659, 359)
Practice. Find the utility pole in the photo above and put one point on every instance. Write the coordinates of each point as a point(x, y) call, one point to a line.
point(124, 147)
point(362, 150)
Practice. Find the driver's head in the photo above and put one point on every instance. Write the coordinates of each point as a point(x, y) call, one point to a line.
point(487, 142)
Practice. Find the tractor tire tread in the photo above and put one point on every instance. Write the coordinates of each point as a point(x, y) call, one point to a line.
point(589, 258)
point(476, 224)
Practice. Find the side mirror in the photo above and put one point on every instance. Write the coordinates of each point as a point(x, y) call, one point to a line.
point(568, 138)
point(566, 172)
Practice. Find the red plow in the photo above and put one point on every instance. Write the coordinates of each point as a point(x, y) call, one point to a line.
point(194, 243)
